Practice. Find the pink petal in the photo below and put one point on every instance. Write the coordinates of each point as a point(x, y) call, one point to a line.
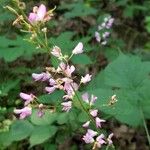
point(25, 96)
point(85, 125)
point(41, 12)
point(94, 112)
point(85, 97)
point(78, 49)
point(32, 17)
point(50, 89)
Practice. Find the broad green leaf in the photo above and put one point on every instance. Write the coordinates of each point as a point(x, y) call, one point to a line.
point(62, 118)
point(5, 139)
point(81, 59)
point(41, 133)
point(10, 50)
point(47, 119)
point(20, 130)
point(126, 72)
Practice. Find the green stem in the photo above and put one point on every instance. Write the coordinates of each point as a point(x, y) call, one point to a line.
point(145, 127)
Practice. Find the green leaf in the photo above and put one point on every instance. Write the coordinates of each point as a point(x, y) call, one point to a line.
point(5, 139)
point(62, 118)
point(20, 130)
point(81, 59)
point(7, 86)
point(41, 133)
point(126, 72)
point(10, 50)
point(53, 98)
point(46, 119)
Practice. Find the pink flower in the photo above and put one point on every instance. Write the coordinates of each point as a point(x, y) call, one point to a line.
point(98, 122)
point(38, 14)
point(109, 23)
point(85, 125)
point(69, 70)
point(56, 51)
point(97, 36)
point(100, 140)
point(52, 82)
point(105, 34)
point(66, 106)
point(94, 112)
point(88, 137)
point(69, 87)
point(91, 101)
point(28, 98)
point(91, 132)
point(41, 77)
point(86, 78)
point(85, 97)
point(109, 139)
point(104, 42)
point(61, 67)
point(24, 112)
point(78, 49)
point(50, 89)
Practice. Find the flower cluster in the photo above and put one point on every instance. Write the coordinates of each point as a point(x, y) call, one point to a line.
point(92, 136)
point(64, 82)
point(103, 30)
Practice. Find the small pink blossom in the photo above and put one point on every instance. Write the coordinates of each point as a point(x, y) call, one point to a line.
point(85, 125)
point(61, 67)
point(24, 112)
point(98, 122)
point(66, 106)
point(91, 132)
point(69, 70)
point(94, 112)
point(88, 139)
point(109, 139)
point(56, 51)
point(52, 82)
point(97, 36)
point(100, 140)
point(27, 97)
point(85, 97)
point(38, 14)
point(70, 86)
point(91, 101)
point(106, 34)
point(78, 49)
point(86, 78)
point(41, 77)
point(110, 23)
point(89, 136)
point(50, 89)
point(104, 42)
